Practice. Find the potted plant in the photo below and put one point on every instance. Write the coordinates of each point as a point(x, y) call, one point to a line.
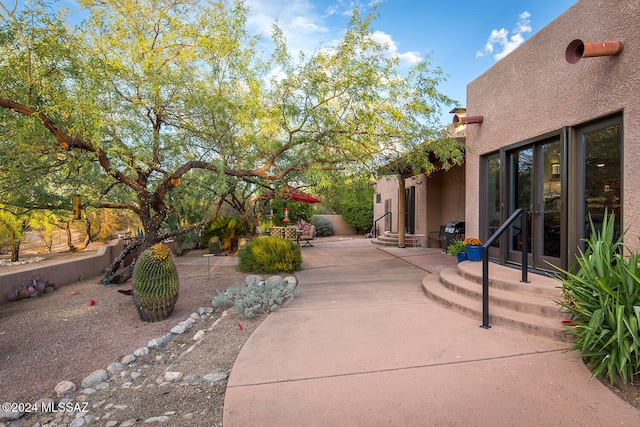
point(473, 247)
point(457, 248)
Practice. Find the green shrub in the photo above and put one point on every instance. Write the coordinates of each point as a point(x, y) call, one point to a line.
point(324, 227)
point(221, 228)
point(357, 211)
point(603, 296)
point(456, 247)
point(214, 246)
point(258, 296)
point(270, 255)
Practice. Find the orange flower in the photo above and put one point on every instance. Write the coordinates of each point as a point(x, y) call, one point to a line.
point(471, 241)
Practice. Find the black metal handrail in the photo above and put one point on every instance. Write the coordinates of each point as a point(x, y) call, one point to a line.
point(375, 224)
point(524, 224)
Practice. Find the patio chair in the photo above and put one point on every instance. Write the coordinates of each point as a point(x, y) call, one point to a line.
point(308, 236)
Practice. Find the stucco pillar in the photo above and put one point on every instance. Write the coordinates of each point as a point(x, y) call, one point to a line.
point(401, 211)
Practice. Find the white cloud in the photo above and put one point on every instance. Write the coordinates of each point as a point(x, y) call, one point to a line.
point(302, 25)
point(505, 43)
point(308, 28)
point(406, 58)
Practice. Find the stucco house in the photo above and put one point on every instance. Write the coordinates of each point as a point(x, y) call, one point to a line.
point(551, 128)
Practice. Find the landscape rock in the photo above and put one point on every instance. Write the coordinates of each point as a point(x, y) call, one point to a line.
point(64, 387)
point(160, 419)
point(179, 329)
point(172, 376)
point(142, 351)
point(275, 281)
point(205, 310)
point(128, 359)
point(115, 368)
point(78, 422)
point(10, 416)
point(94, 378)
point(215, 378)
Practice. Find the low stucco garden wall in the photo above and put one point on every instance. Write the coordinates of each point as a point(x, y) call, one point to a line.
point(64, 272)
point(340, 226)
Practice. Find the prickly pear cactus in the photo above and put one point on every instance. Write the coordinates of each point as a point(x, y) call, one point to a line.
point(155, 284)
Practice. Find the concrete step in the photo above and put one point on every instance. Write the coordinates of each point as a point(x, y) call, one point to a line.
point(524, 311)
point(509, 279)
point(391, 239)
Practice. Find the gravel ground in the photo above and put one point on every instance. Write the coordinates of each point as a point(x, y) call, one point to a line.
point(62, 336)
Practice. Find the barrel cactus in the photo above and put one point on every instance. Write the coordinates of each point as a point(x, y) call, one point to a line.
point(155, 284)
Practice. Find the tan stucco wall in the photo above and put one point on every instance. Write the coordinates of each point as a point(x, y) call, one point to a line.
point(439, 199)
point(534, 90)
point(340, 226)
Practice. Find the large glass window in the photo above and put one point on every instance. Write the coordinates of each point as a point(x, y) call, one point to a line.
point(494, 205)
point(602, 175)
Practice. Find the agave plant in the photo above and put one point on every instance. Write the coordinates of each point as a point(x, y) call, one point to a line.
point(603, 296)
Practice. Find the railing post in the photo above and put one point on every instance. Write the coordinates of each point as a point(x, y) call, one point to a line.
point(524, 223)
point(485, 287)
point(524, 226)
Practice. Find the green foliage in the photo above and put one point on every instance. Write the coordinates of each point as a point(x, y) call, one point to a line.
point(358, 213)
point(297, 211)
point(155, 284)
point(222, 228)
point(270, 255)
point(352, 198)
point(456, 247)
point(214, 246)
point(603, 296)
point(324, 227)
point(258, 296)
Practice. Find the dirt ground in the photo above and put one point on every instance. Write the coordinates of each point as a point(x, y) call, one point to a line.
point(64, 336)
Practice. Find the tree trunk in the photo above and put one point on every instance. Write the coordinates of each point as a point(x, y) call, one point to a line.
point(110, 276)
point(15, 252)
point(67, 228)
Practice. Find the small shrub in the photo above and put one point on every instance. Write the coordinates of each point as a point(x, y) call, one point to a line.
point(270, 255)
point(456, 247)
point(603, 297)
point(324, 227)
point(215, 246)
point(258, 296)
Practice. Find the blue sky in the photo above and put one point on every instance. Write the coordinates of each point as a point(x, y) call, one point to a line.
point(463, 38)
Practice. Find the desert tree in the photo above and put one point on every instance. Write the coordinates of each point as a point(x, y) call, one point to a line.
point(139, 96)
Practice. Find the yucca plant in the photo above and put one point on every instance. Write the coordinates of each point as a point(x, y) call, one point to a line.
point(603, 296)
point(155, 284)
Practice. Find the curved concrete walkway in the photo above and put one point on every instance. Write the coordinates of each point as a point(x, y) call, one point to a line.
point(361, 345)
